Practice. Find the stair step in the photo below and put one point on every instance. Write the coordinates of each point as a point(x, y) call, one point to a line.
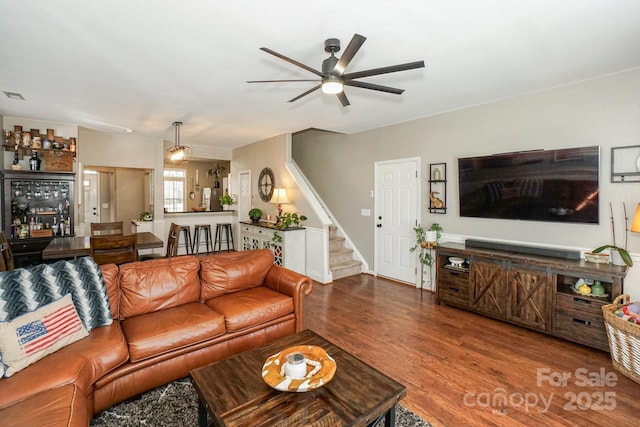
point(340, 255)
point(333, 231)
point(346, 269)
point(336, 243)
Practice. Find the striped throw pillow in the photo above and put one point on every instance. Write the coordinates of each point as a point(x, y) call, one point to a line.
point(23, 290)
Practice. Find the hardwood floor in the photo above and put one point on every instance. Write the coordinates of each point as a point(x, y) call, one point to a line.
point(463, 369)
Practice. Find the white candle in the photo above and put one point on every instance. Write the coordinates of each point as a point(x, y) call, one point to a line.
point(197, 180)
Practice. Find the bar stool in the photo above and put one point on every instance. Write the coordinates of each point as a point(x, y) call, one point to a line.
point(224, 227)
point(197, 232)
point(188, 244)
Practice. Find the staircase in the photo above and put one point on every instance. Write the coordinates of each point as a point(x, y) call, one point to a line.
point(341, 262)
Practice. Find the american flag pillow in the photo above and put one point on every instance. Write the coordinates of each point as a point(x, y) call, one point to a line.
point(32, 336)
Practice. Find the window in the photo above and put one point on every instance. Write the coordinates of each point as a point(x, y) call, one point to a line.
point(174, 190)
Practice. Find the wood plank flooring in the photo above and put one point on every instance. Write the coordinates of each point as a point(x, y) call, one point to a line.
point(462, 369)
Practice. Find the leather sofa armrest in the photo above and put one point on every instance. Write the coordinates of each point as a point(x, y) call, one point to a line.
point(293, 284)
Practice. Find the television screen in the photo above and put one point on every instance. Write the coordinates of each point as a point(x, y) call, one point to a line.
point(545, 185)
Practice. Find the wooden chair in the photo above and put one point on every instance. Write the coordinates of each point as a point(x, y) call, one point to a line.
point(6, 262)
point(106, 228)
point(172, 244)
point(114, 249)
point(172, 240)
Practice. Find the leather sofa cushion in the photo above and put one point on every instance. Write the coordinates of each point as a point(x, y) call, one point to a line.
point(162, 331)
point(233, 271)
point(158, 284)
point(82, 363)
point(60, 406)
point(110, 278)
point(251, 307)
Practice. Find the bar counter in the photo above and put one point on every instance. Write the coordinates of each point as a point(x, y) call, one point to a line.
point(193, 218)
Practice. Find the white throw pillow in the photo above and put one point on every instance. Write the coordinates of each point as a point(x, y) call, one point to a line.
point(30, 337)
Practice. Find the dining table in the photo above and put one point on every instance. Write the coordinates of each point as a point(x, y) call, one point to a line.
point(78, 246)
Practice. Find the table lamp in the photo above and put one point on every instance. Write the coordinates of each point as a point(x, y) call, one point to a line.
point(635, 224)
point(279, 197)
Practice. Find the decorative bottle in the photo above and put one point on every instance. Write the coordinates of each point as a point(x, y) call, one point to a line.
point(436, 174)
point(34, 162)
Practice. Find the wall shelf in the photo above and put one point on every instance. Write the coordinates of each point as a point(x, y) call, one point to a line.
point(438, 188)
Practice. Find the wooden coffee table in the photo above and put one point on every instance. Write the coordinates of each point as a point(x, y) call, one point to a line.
point(232, 393)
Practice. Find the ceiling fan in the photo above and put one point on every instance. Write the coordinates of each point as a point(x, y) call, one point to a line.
point(333, 77)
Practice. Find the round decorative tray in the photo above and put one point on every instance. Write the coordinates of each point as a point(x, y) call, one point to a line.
point(574, 289)
point(320, 369)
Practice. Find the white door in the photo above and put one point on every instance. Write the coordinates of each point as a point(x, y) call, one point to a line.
point(396, 214)
point(244, 198)
point(90, 199)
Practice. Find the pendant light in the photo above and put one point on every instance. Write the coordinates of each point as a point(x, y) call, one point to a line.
point(178, 154)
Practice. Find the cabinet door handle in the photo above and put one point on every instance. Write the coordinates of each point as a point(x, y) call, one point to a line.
point(454, 289)
point(581, 301)
point(583, 322)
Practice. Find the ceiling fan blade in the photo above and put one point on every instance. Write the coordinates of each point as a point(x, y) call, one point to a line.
point(343, 99)
point(384, 70)
point(279, 81)
point(305, 93)
point(348, 54)
point(372, 86)
point(292, 61)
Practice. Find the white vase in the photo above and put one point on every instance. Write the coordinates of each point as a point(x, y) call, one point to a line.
point(616, 258)
point(431, 236)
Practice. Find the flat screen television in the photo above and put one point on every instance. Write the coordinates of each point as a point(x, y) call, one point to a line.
point(541, 185)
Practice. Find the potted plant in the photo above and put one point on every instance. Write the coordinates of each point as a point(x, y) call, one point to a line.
point(145, 216)
point(433, 234)
point(255, 214)
point(621, 252)
point(226, 200)
point(425, 239)
point(619, 256)
point(288, 219)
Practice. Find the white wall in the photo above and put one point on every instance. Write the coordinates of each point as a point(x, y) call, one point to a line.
point(604, 112)
point(126, 151)
point(270, 153)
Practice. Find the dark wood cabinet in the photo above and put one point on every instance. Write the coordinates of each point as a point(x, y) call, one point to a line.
point(454, 286)
point(532, 291)
point(529, 297)
point(36, 207)
point(488, 288)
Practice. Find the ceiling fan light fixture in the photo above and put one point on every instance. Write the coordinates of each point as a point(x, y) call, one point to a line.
point(178, 154)
point(332, 85)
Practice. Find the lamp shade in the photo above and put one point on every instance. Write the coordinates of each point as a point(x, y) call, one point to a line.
point(279, 196)
point(178, 154)
point(635, 225)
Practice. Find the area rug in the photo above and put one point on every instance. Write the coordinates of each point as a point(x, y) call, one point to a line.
point(176, 404)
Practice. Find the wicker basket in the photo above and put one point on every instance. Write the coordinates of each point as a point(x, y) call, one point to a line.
point(624, 339)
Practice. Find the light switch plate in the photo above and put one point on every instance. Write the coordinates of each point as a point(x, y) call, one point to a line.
point(365, 212)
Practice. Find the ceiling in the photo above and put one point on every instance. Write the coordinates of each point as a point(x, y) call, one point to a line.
point(143, 65)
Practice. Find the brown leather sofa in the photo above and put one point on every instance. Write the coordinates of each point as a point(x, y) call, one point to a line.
point(170, 316)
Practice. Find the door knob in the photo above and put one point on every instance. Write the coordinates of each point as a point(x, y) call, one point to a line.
point(379, 225)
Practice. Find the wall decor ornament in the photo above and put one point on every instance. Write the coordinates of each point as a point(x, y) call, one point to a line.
point(625, 164)
point(266, 184)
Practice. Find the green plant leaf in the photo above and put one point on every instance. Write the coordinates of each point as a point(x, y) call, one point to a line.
point(623, 253)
